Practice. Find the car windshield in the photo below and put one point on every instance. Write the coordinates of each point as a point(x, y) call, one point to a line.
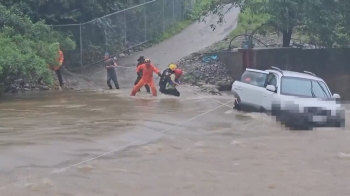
point(304, 87)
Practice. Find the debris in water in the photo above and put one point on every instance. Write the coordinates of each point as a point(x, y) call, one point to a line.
point(238, 143)
point(344, 155)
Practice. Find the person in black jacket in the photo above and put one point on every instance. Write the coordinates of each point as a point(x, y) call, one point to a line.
point(165, 77)
point(139, 74)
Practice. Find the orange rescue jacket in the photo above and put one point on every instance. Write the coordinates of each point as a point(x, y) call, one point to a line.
point(60, 59)
point(147, 72)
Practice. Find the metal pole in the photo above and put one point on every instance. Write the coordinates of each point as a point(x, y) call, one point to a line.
point(163, 16)
point(125, 40)
point(184, 11)
point(174, 12)
point(81, 48)
point(105, 39)
point(144, 15)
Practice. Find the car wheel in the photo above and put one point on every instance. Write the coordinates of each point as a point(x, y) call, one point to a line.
point(262, 110)
point(304, 126)
point(236, 104)
point(275, 111)
point(283, 118)
point(341, 123)
point(292, 123)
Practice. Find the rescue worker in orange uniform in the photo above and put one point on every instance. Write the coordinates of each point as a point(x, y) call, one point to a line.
point(141, 61)
point(147, 77)
point(57, 68)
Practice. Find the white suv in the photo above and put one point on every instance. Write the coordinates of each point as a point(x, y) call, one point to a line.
point(298, 100)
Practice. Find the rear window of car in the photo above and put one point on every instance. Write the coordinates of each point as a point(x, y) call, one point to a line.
point(254, 78)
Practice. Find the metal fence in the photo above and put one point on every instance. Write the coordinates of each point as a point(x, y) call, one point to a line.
point(123, 30)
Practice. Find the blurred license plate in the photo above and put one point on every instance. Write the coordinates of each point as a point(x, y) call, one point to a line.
point(319, 118)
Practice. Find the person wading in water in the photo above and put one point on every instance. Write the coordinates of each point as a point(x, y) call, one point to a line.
point(110, 64)
point(147, 77)
point(141, 61)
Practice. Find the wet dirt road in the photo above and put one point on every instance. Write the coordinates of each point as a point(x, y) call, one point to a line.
point(108, 144)
point(195, 37)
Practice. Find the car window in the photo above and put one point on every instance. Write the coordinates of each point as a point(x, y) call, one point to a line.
point(303, 87)
point(320, 90)
point(254, 78)
point(271, 80)
point(325, 87)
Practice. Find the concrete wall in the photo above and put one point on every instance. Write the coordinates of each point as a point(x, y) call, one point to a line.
point(233, 61)
point(333, 65)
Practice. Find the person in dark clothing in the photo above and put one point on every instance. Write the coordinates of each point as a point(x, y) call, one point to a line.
point(141, 61)
point(165, 77)
point(172, 83)
point(110, 64)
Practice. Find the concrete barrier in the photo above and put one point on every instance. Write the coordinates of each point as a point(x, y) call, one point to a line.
point(333, 65)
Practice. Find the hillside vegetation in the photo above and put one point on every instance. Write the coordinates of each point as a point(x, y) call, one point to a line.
point(27, 37)
point(322, 22)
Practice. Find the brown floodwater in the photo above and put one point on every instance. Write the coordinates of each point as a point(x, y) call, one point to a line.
point(107, 143)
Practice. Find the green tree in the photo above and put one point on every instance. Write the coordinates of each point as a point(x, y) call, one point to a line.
point(283, 15)
point(324, 21)
point(98, 35)
point(26, 48)
point(321, 22)
point(67, 11)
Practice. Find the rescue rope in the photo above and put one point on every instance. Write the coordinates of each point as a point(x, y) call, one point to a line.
point(116, 67)
point(186, 88)
point(81, 78)
point(123, 147)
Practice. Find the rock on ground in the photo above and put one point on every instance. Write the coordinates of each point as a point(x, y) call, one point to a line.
point(72, 82)
point(211, 77)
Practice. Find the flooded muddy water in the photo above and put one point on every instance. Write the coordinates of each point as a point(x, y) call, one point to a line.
point(88, 143)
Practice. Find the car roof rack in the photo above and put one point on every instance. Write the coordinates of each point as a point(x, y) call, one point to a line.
point(277, 69)
point(310, 73)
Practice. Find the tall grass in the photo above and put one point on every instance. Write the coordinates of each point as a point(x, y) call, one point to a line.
point(248, 22)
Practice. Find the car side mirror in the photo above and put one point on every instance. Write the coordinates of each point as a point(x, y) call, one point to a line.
point(271, 88)
point(337, 96)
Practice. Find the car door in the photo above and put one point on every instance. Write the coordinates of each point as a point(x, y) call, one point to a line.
point(253, 89)
point(268, 96)
point(238, 90)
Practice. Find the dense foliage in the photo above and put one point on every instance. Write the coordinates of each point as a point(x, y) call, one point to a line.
point(27, 48)
point(61, 12)
point(325, 22)
point(68, 11)
point(97, 35)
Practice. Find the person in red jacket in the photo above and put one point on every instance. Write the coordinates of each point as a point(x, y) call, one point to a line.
point(147, 77)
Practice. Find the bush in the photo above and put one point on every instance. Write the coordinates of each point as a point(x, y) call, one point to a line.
point(26, 48)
